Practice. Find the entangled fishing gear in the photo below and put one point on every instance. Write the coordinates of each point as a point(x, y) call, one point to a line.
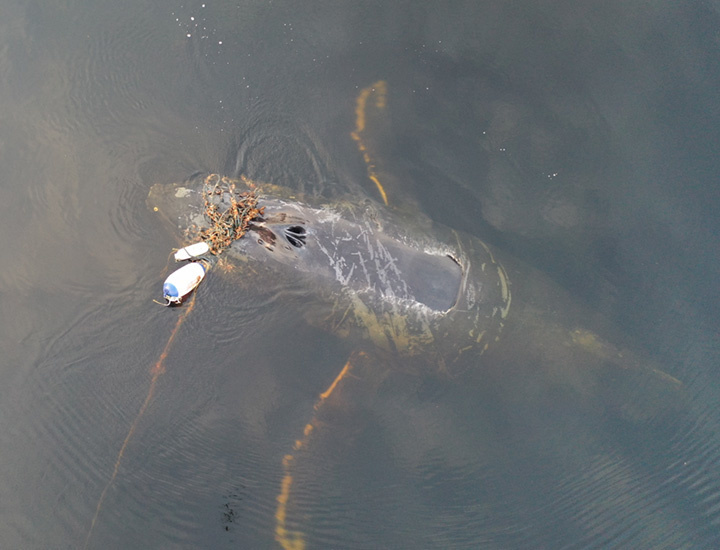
point(231, 222)
point(228, 212)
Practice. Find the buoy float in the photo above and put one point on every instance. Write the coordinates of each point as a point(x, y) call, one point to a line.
point(182, 282)
point(192, 251)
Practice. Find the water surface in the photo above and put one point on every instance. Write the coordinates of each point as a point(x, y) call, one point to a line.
point(581, 138)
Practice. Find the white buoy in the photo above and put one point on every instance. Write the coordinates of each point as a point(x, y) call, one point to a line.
point(192, 251)
point(182, 282)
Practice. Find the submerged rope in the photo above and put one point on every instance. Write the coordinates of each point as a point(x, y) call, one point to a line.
point(157, 370)
point(225, 226)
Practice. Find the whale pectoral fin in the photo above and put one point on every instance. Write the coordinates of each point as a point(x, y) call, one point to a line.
point(360, 377)
point(375, 138)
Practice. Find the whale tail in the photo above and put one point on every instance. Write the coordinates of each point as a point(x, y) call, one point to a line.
point(579, 365)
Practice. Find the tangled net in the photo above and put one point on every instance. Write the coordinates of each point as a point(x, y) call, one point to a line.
point(228, 222)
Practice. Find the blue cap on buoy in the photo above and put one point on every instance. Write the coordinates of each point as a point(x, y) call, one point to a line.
point(169, 291)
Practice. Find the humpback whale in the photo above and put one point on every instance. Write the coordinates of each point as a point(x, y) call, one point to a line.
point(414, 295)
point(426, 297)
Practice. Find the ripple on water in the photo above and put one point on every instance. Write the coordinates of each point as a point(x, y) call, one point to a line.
point(284, 151)
point(84, 394)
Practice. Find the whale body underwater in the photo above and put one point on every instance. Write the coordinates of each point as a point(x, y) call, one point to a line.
point(422, 296)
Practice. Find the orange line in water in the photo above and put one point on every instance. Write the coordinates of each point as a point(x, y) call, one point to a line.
point(293, 540)
point(378, 91)
point(157, 370)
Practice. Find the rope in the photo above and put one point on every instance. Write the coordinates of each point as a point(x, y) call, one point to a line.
point(230, 223)
point(157, 370)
